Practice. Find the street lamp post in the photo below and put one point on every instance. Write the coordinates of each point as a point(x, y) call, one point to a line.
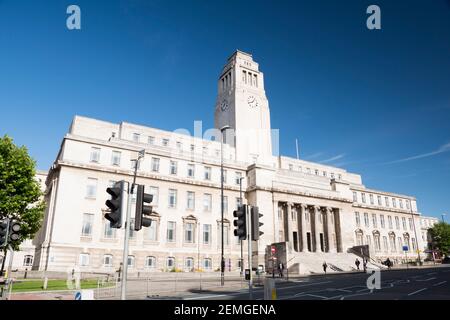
point(415, 233)
point(240, 202)
point(222, 260)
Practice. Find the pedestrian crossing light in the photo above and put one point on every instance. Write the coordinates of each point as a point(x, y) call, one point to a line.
point(3, 233)
point(14, 229)
point(142, 209)
point(116, 204)
point(241, 222)
point(255, 215)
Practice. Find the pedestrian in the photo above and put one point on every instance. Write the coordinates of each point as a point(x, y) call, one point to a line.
point(388, 263)
point(365, 264)
point(281, 267)
point(357, 263)
point(325, 266)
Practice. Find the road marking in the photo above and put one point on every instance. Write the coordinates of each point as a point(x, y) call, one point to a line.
point(413, 293)
point(431, 273)
point(357, 294)
point(306, 285)
point(427, 279)
point(438, 284)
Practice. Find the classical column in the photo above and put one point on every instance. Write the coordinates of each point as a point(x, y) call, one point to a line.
point(290, 228)
point(302, 232)
point(337, 230)
point(316, 229)
point(330, 228)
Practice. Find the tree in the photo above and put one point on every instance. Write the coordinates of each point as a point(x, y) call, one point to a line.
point(20, 194)
point(440, 234)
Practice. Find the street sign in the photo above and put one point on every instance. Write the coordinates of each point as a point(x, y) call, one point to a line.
point(405, 248)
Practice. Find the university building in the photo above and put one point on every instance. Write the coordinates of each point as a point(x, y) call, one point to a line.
point(320, 212)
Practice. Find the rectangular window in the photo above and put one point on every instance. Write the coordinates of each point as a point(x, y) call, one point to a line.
point(224, 176)
point(189, 233)
point(291, 167)
point(88, 220)
point(238, 177)
point(151, 232)
point(155, 164)
point(171, 225)
point(207, 175)
point(357, 219)
point(207, 202)
point(238, 202)
point(386, 200)
point(374, 220)
point(91, 188)
point(191, 170)
point(154, 191)
point(190, 200)
point(179, 146)
point(390, 222)
point(173, 167)
point(95, 154)
point(355, 197)
point(379, 200)
point(225, 204)
point(397, 222)
point(84, 259)
point(366, 219)
point(206, 233)
point(109, 233)
point(404, 223)
point(172, 198)
point(400, 202)
point(407, 204)
point(136, 137)
point(226, 235)
point(382, 221)
point(192, 148)
point(363, 197)
point(394, 203)
point(115, 158)
point(132, 232)
point(410, 220)
point(151, 140)
point(165, 142)
point(371, 199)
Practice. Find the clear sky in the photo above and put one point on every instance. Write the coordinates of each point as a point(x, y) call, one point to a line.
point(373, 102)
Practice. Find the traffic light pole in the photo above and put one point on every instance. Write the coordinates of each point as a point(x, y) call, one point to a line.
point(250, 260)
point(125, 246)
point(6, 246)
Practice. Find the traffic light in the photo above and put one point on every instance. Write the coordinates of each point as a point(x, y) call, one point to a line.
point(116, 205)
point(142, 209)
point(241, 222)
point(255, 215)
point(3, 233)
point(14, 228)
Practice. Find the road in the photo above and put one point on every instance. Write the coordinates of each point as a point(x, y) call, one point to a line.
point(412, 284)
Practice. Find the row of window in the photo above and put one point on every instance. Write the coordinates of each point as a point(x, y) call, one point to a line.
point(388, 245)
point(150, 262)
point(317, 172)
point(382, 221)
point(250, 78)
point(155, 166)
point(387, 201)
point(190, 232)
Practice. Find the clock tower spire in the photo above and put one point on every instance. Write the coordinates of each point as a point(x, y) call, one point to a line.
point(242, 104)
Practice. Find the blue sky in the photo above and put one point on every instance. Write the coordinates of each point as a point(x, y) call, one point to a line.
point(373, 102)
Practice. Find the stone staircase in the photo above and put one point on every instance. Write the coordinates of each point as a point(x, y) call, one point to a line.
point(311, 262)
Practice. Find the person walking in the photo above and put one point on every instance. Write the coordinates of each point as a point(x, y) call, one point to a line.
point(365, 265)
point(357, 263)
point(389, 263)
point(325, 266)
point(281, 267)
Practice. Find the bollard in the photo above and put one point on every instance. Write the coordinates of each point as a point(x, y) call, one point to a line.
point(270, 292)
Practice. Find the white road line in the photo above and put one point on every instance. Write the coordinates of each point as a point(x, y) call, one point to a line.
point(354, 295)
point(438, 284)
point(315, 296)
point(413, 293)
point(427, 279)
point(431, 273)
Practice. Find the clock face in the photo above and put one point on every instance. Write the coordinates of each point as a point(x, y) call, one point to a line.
point(224, 105)
point(252, 101)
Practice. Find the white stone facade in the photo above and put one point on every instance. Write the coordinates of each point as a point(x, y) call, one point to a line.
point(312, 206)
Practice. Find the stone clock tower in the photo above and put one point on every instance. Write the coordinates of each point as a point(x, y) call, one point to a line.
point(242, 104)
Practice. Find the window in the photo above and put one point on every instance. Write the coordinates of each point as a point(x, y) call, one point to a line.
point(357, 219)
point(238, 177)
point(368, 240)
point(189, 232)
point(136, 137)
point(190, 200)
point(172, 198)
point(400, 202)
point(151, 231)
point(107, 260)
point(108, 232)
point(382, 221)
point(91, 188)
point(363, 197)
point(171, 225)
point(355, 197)
point(390, 222)
point(385, 244)
point(339, 177)
point(191, 170)
point(207, 202)
point(189, 263)
point(151, 140)
point(131, 231)
point(131, 261)
point(400, 241)
point(376, 240)
point(238, 202)
point(165, 142)
point(386, 200)
point(207, 175)
point(88, 220)
point(150, 262)
point(84, 259)
point(410, 220)
point(392, 243)
point(331, 175)
point(95, 154)
point(413, 243)
point(154, 191)
point(134, 163)
point(224, 176)
point(28, 261)
point(316, 172)
point(225, 204)
point(155, 164)
point(173, 167)
point(374, 220)
point(291, 167)
point(206, 233)
point(205, 151)
point(371, 198)
point(407, 205)
point(366, 219)
point(179, 146)
point(170, 263)
point(397, 222)
point(404, 223)
point(379, 200)
point(207, 261)
point(115, 158)
point(394, 203)
point(192, 148)
point(226, 234)
point(244, 76)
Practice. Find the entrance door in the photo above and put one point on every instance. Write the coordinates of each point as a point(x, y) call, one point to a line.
point(294, 235)
point(308, 240)
point(322, 245)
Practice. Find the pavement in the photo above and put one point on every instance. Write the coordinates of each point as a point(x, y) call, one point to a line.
point(432, 283)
